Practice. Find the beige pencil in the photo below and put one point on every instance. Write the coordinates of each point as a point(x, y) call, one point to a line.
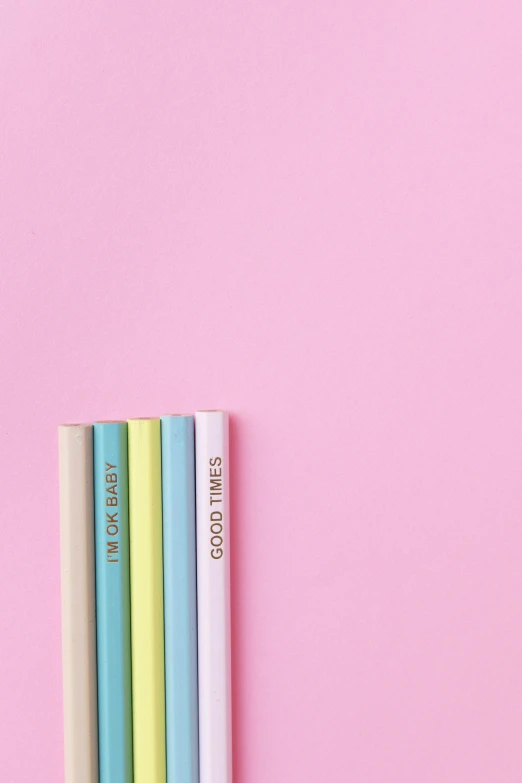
point(78, 603)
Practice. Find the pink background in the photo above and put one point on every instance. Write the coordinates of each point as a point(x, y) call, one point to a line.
point(308, 213)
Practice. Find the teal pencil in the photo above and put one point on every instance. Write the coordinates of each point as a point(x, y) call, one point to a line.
point(179, 574)
point(111, 493)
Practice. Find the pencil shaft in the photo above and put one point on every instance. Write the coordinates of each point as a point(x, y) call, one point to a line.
point(179, 562)
point(78, 603)
point(113, 602)
point(213, 573)
point(148, 673)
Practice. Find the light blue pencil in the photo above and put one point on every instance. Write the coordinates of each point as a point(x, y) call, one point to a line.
point(111, 498)
point(179, 574)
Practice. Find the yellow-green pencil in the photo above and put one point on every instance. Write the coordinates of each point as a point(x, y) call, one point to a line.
point(146, 577)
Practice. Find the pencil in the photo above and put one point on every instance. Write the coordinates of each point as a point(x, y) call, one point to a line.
point(179, 577)
point(111, 513)
point(75, 446)
point(213, 586)
point(146, 566)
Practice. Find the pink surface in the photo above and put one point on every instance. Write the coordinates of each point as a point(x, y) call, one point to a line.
point(308, 213)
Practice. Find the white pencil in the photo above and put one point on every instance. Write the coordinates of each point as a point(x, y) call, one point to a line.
point(213, 597)
point(78, 603)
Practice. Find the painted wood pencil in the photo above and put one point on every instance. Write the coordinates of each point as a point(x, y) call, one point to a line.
point(147, 634)
point(75, 445)
point(213, 585)
point(179, 577)
point(111, 511)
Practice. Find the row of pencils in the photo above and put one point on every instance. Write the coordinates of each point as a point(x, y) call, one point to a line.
point(144, 529)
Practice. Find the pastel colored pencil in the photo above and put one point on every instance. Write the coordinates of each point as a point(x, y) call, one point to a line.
point(147, 635)
point(179, 577)
point(75, 446)
point(213, 585)
point(111, 513)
